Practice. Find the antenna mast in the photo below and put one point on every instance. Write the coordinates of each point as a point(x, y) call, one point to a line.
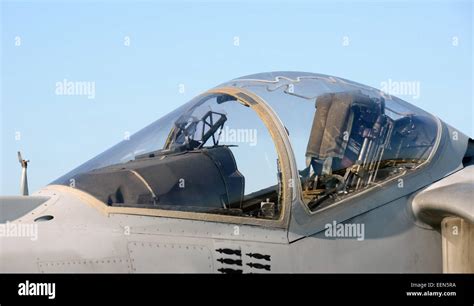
point(24, 179)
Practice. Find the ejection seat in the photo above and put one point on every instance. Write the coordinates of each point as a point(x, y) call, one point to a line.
point(342, 137)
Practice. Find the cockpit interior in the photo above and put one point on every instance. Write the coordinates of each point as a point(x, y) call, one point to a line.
point(355, 143)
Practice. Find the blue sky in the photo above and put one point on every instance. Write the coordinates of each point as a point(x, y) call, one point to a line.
point(192, 43)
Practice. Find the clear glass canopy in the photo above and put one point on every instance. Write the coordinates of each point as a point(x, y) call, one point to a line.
point(345, 136)
point(214, 154)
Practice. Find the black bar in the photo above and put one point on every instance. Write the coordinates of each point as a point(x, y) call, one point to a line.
point(315, 289)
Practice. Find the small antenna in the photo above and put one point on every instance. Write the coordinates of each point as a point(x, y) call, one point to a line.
point(24, 179)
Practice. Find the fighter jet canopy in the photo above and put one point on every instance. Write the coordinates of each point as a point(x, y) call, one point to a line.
point(224, 151)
